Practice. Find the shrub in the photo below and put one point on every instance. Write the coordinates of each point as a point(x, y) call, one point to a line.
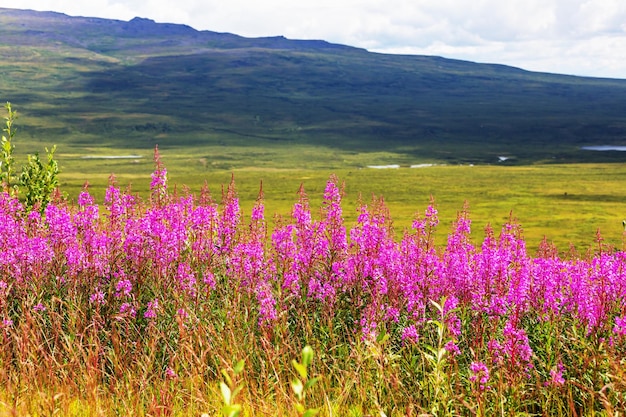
point(37, 181)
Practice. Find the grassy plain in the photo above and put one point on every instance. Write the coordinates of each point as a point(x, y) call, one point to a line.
point(566, 203)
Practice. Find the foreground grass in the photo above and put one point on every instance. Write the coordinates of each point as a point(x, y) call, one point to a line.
point(178, 306)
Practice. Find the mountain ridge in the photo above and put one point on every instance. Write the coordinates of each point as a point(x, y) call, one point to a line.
point(140, 82)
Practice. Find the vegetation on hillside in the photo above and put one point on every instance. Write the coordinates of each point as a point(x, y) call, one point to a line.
point(82, 82)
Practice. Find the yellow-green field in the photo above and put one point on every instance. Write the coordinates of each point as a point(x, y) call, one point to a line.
point(565, 203)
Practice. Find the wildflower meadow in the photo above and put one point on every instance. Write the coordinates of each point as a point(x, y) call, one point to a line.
point(178, 304)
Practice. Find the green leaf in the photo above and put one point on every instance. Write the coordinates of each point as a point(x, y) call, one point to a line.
point(239, 367)
point(231, 410)
point(311, 412)
point(437, 323)
point(227, 377)
point(235, 410)
point(300, 368)
point(226, 394)
point(437, 305)
point(307, 355)
point(432, 350)
point(382, 337)
point(236, 391)
point(310, 383)
point(297, 387)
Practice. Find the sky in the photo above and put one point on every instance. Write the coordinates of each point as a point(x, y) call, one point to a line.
point(575, 37)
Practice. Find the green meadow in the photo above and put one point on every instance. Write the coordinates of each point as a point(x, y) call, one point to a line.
point(565, 203)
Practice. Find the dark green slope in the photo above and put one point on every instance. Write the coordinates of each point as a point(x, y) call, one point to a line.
point(137, 83)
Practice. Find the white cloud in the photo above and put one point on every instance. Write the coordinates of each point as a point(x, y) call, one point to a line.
point(585, 37)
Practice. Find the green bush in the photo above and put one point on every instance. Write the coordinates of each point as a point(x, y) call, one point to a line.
point(37, 181)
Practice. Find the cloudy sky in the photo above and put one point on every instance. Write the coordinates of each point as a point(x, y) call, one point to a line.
point(580, 37)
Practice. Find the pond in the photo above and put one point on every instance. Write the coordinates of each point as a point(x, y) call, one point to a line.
point(604, 148)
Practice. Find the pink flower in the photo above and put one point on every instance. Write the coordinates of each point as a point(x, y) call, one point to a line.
point(556, 375)
point(170, 373)
point(410, 335)
point(39, 307)
point(186, 279)
point(182, 313)
point(128, 309)
point(479, 375)
point(123, 287)
point(452, 348)
point(151, 311)
point(620, 326)
point(267, 305)
point(97, 298)
point(209, 279)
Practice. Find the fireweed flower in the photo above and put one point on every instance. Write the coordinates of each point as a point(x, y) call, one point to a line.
point(170, 373)
point(97, 297)
point(209, 279)
point(452, 348)
point(182, 313)
point(127, 309)
point(556, 376)
point(620, 326)
point(158, 185)
point(393, 314)
point(186, 279)
point(267, 305)
point(152, 309)
point(368, 329)
point(123, 288)
point(39, 307)
point(452, 321)
point(479, 375)
point(410, 334)
point(496, 351)
point(514, 352)
point(230, 219)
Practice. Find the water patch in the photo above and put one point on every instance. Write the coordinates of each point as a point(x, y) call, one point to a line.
point(397, 166)
point(604, 148)
point(111, 157)
point(394, 166)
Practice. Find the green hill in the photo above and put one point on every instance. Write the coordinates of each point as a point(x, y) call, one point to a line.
point(86, 82)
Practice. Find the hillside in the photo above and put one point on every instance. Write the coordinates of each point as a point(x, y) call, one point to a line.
point(84, 81)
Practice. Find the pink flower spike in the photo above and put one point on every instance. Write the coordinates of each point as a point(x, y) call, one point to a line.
point(151, 311)
point(620, 326)
point(479, 375)
point(452, 348)
point(410, 335)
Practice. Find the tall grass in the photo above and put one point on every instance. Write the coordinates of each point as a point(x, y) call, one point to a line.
point(177, 305)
